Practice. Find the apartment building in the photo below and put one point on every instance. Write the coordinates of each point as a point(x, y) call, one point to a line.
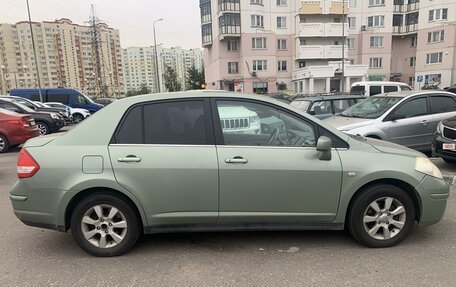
point(67, 56)
point(140, 69)
point(411, 41)
point(271, 45)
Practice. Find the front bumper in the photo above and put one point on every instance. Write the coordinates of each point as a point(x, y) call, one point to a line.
point(437, 147)
point(433, 193)
point(56, 125)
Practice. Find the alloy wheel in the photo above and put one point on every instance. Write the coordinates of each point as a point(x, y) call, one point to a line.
point(2, 143)
point(384, 218)
point(42, 128)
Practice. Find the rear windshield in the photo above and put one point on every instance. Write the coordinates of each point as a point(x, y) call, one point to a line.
point(357, 90)
point(301, 105)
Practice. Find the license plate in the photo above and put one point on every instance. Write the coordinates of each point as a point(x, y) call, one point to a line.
point(32, 123)
point(449, 146)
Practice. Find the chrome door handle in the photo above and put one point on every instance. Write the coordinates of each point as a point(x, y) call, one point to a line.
point(424, 122)
point(236, 159)
point(129, 158)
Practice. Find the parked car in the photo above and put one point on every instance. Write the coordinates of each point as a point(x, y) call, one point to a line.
point(70, 97)
point(451, 89)
point(161, 163)
point(15, 129)
point(372, 88)
point(104, 101)
point(406, 118)
point(323, 107)
point(280, 96)
point(47, 122)
point(444, 143)
point(77, 115)
point(38, 107)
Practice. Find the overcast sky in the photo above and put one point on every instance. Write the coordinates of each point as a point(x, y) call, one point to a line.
point(133, 18)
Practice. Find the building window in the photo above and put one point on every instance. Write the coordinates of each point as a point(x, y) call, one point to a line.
point(281, 65)
point(411, 81)
point(412, 61)
point(432, 78)
point(260, 65)
point(376, 2)
point(207, 33)
point(229, 5)
point(352, 3)
point(281, 2)
point(376, 42)
point(259, 43)
point(438, 14)
point(413, 41)
point(437, 36)
point(351, 43)
point(281, 22)
point(260, 87)
point(232, 45)
point(281, 44)
point(258, 2)
point(230, 23)
point(233, 68)
point(375, 63)
point(205, 10)
point(257, 21)
point(351, 22)
point(434, 58)
point(376, 21)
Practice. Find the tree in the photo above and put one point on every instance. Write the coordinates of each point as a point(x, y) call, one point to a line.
point(144, 89)
point(195, 79)
point(172, 82)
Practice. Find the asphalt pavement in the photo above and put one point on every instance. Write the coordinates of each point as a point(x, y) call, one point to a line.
point(36, 257)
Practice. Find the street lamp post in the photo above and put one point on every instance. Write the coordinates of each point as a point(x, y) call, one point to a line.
point(343, 47)
point(34, 53)
point(156, 56)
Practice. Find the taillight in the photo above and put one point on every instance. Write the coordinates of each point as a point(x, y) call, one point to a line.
point(26, 165)
point(22, 122)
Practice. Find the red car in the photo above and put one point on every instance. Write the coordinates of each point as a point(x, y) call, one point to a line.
point(15, 129)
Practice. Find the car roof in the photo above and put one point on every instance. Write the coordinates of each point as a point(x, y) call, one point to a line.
point(328, 97)
point(379, 83)
point(406, 94)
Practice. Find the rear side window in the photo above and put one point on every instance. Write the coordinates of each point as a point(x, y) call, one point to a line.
point(61, 98)
point(358, 90)
point(388, 89)
point(175, 123)
point(375, 90)
point(442, 104)
point(131, 129)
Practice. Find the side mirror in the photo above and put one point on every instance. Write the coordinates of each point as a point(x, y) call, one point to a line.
point(312, 113)
point(395, 117)
point(324, 148)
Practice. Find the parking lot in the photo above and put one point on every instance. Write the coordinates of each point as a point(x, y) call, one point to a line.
point(37, 257)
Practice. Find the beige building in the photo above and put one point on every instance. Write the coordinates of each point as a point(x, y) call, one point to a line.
point(67, 57)
point(405, 40)
point(139, 65)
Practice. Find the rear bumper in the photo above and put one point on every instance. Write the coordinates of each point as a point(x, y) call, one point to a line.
point(433, 193)
point(22, 135)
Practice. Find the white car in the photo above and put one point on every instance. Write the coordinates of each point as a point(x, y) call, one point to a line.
point(78, 115)
point(239, 120)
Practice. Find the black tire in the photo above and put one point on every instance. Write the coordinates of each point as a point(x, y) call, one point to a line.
point(361, 206)
point(4, 144)
point(77, 118)
point(43, 128)
point(127, 213)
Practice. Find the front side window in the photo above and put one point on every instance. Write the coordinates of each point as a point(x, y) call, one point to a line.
point(252, 124)
point(376, 21)
point(388, 89)
point(442, 104)
point(80, 99)
point(375, 90)
point(61, 98)
point(413, 108)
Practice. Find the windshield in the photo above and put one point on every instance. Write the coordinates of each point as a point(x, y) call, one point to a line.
point(371, 108)
point(357, 90)
point(301, 105)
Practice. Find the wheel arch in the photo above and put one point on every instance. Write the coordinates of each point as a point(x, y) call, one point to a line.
point(87, 192)
point(406, 187)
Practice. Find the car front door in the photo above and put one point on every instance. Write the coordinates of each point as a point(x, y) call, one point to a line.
point(269, 168)
point(164, 154)
point(442, 107)
point(411, 127)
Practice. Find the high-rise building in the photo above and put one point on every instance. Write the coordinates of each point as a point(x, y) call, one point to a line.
point(412, 41)
point(139, 66)
point(69, 55)
point(271, 45)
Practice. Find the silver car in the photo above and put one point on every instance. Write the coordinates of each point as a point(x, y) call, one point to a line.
point(405, 118)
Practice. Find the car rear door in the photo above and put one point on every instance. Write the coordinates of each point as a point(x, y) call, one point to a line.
point(164, 154)
point(442, 107)
point(275, 176)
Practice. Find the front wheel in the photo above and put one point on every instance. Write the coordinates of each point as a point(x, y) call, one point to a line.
point(381, 216)
point(43, 128)
point(105, 225)
point(77, 118)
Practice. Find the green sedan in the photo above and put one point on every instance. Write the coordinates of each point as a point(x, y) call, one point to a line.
point(171, 163)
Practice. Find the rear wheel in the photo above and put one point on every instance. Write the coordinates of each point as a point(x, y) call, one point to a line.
point(105, 225)
point(4, 144)
point(77, 118)
point(381, 216)
point(43, 128)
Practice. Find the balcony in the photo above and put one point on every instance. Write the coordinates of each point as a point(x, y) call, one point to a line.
point(405, 8)
point(322, 29)
point(323, 7)
point(321, 52)
point(404, 30)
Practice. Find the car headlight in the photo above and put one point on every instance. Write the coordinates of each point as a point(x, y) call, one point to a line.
point(424, 165)
point(55, 116)
point(253, 119)
point(440, 128)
